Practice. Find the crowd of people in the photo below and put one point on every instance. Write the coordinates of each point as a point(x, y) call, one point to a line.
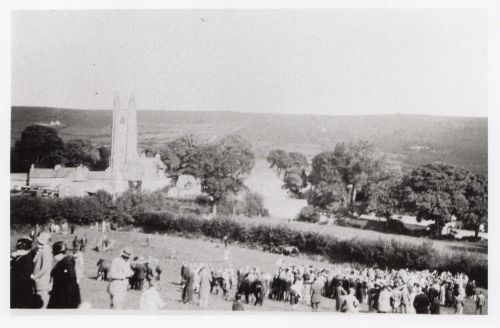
point(382, 291)
point(45, 275)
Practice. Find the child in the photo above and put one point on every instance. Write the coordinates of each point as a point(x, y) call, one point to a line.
point(150, 298)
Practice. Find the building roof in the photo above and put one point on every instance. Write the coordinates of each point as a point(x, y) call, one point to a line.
point(58, 172)
point(19, 176)
point(99, 175)
point(41, 173)
point(65, 172)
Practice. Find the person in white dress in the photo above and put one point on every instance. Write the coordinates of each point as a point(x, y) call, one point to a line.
point(150, 299)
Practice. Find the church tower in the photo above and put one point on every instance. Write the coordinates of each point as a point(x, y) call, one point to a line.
point(123, 136)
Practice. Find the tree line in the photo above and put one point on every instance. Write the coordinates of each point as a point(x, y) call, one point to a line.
point(221, 166)
point(355, 179)
point(42, 146)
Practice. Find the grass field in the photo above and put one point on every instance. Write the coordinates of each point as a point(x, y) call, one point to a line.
point(284, 209)
point(443, 246)
point(162, 247)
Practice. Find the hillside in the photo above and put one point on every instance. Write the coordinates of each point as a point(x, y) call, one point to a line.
point(409, 140)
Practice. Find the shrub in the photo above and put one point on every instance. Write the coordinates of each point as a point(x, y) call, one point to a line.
point(251, 205)
point(392, 253)
point(308, 214)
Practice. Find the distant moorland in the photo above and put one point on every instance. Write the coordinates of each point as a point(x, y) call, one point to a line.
point(408, 140)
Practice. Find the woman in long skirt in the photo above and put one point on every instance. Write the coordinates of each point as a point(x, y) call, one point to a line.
point(65, 292)
point(187, 291)
point(205, 279)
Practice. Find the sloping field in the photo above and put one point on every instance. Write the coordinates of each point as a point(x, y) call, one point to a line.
point(444, 246)
point(284, 209)
point(162, 247)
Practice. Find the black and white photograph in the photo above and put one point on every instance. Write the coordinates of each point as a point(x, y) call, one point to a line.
point(198, 160)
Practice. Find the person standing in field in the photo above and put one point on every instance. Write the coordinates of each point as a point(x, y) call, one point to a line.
point(150, 299)
point(480, 302)
point(316, 289)
point(79, 263)
point(459, 303)
point(43, 266)
point(405, 299)
point(21, 267)
point(65, 293)
point(350, 303)
point(339, 293)
point(384, 301)
point(188, 278)
point(421, 302)
point(119, 274)
point(205, 279)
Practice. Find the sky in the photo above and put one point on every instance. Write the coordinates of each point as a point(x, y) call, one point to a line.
point(325, 62)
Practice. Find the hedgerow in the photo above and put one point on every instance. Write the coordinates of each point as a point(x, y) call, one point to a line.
point(381, 253)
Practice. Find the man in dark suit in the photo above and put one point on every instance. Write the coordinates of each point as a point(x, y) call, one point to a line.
point(421, 302)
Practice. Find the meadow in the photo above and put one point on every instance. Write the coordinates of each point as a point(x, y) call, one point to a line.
point(283, 209)
point(172, 251)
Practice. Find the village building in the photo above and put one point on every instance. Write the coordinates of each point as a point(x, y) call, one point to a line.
point(187, 187)
point(127, 169)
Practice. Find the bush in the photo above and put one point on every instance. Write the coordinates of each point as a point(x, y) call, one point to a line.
point(308, 214)
point(251, 205)
point(79, 210)
point(380, 253)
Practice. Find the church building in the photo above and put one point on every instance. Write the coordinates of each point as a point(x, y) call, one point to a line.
point(127, 168)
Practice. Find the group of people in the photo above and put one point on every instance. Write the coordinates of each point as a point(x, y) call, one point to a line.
point(383, 291)
point(196, 278)
point(44, 275)
point(141, 274)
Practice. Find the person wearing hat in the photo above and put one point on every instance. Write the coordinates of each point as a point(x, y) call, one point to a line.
point(43, 266)
point(350, 303)
point(421, 302)
point(65, 293)
point(384, 300)
point(119, 273)
point(21, 267)
point(316, 289)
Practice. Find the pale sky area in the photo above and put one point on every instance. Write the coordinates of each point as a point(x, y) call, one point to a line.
point(335, 62)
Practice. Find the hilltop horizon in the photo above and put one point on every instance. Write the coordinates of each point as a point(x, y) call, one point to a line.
point(257, 113)
point(408, 140)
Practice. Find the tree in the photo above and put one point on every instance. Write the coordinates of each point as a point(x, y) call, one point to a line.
point(223, 165)
point(382, 198)
point(39, 145)
point(181, 155)
point(103, 163)
point(476, 193)
point(308, 214)
point(77, 152)
point(294, 180)
point(279, 159)
point(298, 160)
point(436, 192)
point(341, 176)
point(251, 205)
